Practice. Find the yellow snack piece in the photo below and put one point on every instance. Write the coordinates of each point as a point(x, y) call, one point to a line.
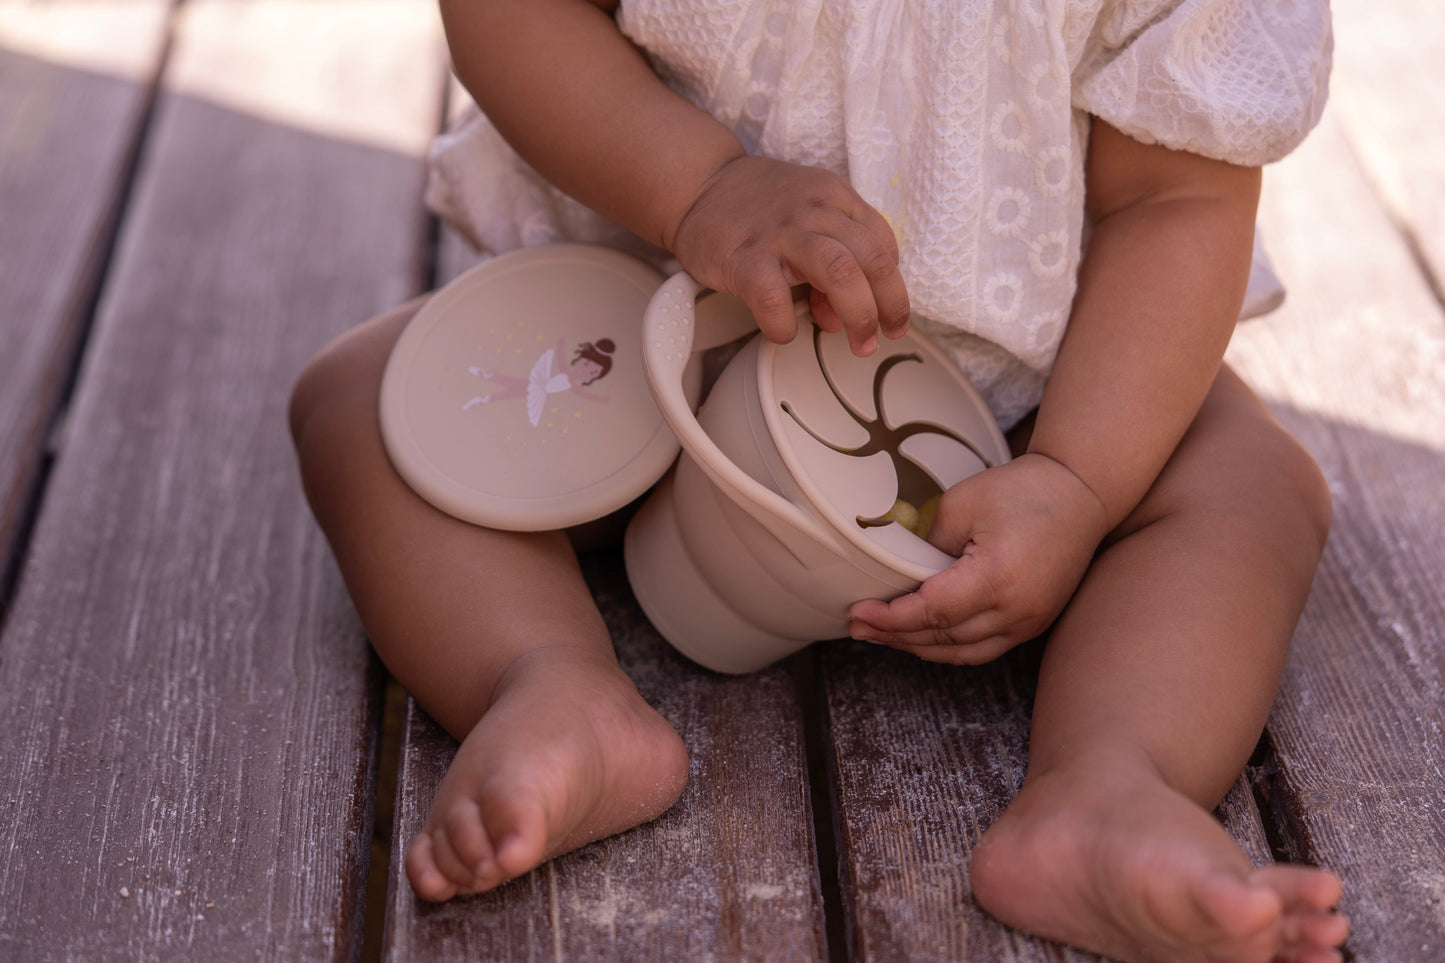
point(903, 513)
point(927, 512)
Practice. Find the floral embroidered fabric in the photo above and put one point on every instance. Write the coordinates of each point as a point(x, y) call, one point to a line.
point(964, 121)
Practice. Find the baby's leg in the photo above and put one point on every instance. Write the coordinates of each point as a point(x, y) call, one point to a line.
point(1155, 686)
point(494, 633)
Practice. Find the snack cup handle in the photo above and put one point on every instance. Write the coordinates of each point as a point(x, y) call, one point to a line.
point(672, 330)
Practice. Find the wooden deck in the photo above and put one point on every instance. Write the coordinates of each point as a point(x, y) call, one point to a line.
point(194, 198)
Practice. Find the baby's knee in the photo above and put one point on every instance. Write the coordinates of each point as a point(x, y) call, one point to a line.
point(1303, 477)
point(342, 385)
point(1287, 483)
point(330, 387)
point(1244, 479)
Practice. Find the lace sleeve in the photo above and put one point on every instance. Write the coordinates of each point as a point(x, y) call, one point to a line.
point(1238, 80)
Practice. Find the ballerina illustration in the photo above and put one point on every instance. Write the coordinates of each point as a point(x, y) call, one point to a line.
point(590, 363)
point(912, 478)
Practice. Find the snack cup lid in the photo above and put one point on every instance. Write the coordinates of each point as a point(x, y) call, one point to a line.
point(516, 399)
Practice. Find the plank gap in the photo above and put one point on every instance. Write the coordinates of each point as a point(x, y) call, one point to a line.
point(107, 239)
point(368, 785)
point(1397, 218)
point(29, 512)
point(1417, 254)
point(383, 813)
point(85, 303)
point(820, 784)
point(1284, 835)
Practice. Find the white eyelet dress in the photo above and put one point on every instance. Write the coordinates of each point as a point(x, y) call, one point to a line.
point(964, 121)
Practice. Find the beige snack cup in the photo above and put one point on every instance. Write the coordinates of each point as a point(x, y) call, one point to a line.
point(771, 525)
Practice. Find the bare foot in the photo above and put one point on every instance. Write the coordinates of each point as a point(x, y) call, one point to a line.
point(1112, 860)
point(567, 753)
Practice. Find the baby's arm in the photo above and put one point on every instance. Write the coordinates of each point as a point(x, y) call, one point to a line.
point(1159, 293)
point(579, 102)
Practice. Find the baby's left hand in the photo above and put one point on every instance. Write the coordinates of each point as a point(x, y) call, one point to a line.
point(1025, 533)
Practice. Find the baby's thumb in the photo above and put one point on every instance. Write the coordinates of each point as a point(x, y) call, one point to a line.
point(952, 526)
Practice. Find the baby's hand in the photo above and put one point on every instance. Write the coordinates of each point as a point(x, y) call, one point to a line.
point(1025, 532)
point(760, 226)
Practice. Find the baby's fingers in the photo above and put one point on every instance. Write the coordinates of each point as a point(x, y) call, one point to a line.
point(976, 653)
point(858, 278)
point(831, 268)
point(969, 632)
point(765, 288)
point(877, 253)
point(953, 607)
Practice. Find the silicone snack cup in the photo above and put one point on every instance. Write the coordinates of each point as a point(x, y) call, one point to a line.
point(767, 531)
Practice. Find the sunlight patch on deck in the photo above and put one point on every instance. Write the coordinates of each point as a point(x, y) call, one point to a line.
point(1360, 339)
point(115, 38)
point(304, 64)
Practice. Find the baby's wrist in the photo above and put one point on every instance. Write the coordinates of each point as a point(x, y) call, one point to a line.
point(706, 174)
point(1077, 489)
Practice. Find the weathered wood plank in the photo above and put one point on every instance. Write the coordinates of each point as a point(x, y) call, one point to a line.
point(923, 758)
point(75, 78)
point(1389, 93)
point(1354, 364)
point(188, 704)
point(729, 873)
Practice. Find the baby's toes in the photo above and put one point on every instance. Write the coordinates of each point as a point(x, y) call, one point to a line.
point(1308, 954)
point(1300, 886)
point(427, 881)
point(1242, 909)
point(518, 832)
point(470, 843)
point(451, 864)
point(1306, 928)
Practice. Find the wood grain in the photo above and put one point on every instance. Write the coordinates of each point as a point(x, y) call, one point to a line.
point(729, 873)
point(1389, 94)
point(188, 704)
point(1354, 365)
point(923, 758)
point(75, 79)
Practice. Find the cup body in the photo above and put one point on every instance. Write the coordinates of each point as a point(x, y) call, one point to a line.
point(774, 520)
point(718, 582)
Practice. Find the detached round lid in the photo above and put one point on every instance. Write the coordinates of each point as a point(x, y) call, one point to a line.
point(516, 399)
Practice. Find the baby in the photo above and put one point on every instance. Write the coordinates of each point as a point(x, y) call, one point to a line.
point(1063, 192)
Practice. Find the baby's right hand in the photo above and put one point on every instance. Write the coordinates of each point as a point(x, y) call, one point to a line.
point(760, 226)
point(1024, 534)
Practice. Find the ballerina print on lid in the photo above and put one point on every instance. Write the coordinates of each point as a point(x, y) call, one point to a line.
point(590, 363)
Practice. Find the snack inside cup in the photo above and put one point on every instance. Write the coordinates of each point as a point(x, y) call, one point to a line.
point(917, 519)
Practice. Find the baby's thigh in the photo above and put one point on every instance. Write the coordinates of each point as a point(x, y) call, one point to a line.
point(1237, 470)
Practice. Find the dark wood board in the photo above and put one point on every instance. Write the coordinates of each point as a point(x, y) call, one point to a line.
point(922, 758)
point(1354, 365)
point(187, 705)
point(729, 873)
point(74, 84)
